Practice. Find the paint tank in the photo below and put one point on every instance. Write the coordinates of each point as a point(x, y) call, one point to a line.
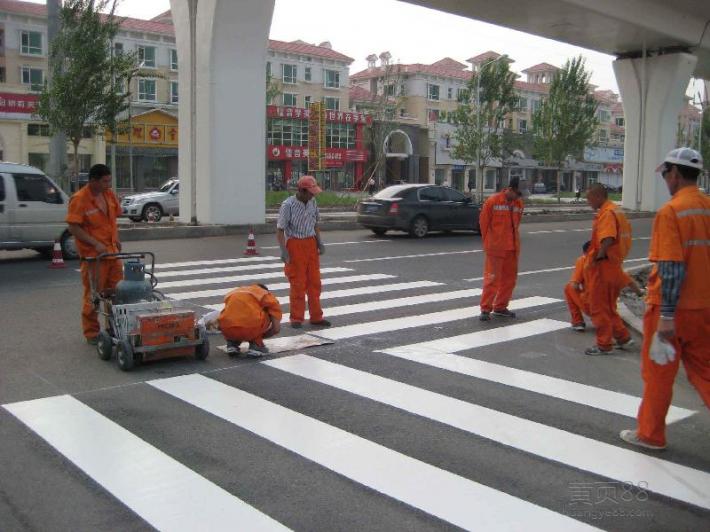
point(134, 287)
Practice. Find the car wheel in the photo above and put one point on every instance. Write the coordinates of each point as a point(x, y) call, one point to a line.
point(152, 212)
point(68, 243)
point(419, 227)
point(379, 231)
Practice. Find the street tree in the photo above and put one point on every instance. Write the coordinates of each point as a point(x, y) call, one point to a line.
point(480, 116)
point(90, 84)
point(566, 120)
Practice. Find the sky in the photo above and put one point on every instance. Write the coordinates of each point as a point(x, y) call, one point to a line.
point(412, 34)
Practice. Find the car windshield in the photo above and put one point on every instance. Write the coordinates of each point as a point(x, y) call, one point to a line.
point(166, 186)
point(392, 192)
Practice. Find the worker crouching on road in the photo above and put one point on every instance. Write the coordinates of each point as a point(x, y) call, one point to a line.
point(500, 223)
point(605, 277)
point(576, 290)
point(301, 246)
point(91, 217)
point(250, 314)
point(678, 302)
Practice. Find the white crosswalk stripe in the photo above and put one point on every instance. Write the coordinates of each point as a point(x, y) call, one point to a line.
point(239, 278)
point(224, 269)
point(241, 260)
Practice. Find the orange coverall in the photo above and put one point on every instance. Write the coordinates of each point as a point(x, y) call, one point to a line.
point(606, 278)
point(303, 273)
point(247, 314)
point(500, 222)
point(681, 233)
point(85, 212)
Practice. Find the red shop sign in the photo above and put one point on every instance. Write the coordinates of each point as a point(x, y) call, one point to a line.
point(296, 113)
point(18, 103)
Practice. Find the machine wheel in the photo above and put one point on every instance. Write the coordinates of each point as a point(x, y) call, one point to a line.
point(152, 211)
point(419, 227)
point(203, 350)
point(124, 355)
point(104, 345)
point(379, 231)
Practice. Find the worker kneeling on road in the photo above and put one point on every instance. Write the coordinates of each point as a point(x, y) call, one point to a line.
point(92, 219)
point(605, 277)
point(250, 314)
point(676, 325)
point(500, 223)
point(576, 293)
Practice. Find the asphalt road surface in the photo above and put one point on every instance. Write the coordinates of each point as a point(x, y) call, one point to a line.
point(417, 417)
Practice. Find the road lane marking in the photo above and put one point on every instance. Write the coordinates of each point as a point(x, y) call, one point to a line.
point(328, 244)
point(206, 271)
point(666, 478)
point(237, 278)
point(161, 490)
point(394, 303)
point(241, 260)
point(414, 256)
point(440, 354)
point(180, 296)
point(422, 320)
point(457, 500)
point(549, 270)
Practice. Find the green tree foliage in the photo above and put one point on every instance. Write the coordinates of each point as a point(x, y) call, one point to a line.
point(489, 96)
point(566, 120)
point(89, 84)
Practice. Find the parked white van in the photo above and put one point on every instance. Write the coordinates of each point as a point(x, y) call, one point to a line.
point(32, 211)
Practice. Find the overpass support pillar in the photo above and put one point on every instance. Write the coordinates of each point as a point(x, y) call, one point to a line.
point(652, 90)
point(222, 49)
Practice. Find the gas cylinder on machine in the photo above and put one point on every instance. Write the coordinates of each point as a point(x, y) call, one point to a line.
point(134, 288)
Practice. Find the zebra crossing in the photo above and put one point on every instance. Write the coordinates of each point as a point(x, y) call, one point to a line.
point(356, 429)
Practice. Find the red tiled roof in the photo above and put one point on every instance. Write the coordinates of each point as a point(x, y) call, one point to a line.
point(449, 63)
point(490, 54)
point(416, 68)
point(163, 16)
point(532, 87)
point(358, 94)
point(299, 47)
point(26, 8)
point(542, 67)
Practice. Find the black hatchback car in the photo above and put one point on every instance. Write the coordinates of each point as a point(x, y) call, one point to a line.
point(418, 209)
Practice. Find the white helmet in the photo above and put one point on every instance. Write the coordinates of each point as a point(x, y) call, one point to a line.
point(683, 157)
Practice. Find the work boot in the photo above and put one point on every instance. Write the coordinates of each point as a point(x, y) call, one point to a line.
point(485, 316)
point(261, 348)
point(632, 437)
point(296, 324)
point(596, 350)
point(624, 344)
point(92, 340)
point(321, 323)
point(233, 348)
point(503, 313)
point(579, 327)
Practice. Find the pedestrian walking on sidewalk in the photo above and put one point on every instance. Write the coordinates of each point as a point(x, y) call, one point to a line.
point(500, 223)
point(301, 246)
point(678, 302)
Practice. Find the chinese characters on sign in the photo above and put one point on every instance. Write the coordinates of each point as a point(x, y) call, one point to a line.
point(18, 103)
point(275, 111)
point(316, 137)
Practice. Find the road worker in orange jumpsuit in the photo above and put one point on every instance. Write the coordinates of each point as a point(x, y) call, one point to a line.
point(299, 238)
point(610, 243)
point(500, 223)
point(678, 302)
point(91, 217)
point(250, 314)
point(576, 294)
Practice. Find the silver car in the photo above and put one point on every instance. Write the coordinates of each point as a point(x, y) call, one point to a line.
point(152, 206)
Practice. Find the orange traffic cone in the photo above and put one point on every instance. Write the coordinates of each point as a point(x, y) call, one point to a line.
point(251, 244)
point(57, 258)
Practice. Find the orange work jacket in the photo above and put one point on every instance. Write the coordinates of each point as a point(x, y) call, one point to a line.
point(248, 307)
point(84, 211)
point(681, 233)
point(500, 223)
point(610, 222)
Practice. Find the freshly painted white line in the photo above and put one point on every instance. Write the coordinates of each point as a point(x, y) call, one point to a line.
point(237, 278)
point(439, 354)
point(362, 290)
point(167, 265)
point(168, 495)
point(548, 270)
point(423, 320)
point(339, 243)
point(180, 296)
point(666, 478)
point(223, 269)
point(395, 303)
point(450, 497)
point(415, 256)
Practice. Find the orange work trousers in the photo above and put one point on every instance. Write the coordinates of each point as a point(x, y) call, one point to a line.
point(500, 274)
point(692, 344)
point(577, 304)
point(110, 272)
point(249, 334)
point(303, 273)
point(606, 279)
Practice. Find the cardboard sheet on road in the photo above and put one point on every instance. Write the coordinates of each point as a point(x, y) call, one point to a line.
point(287, 343)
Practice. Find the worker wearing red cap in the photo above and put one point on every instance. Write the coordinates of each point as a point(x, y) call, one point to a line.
point(301, 246)
point(500, 223)
point(676, 326)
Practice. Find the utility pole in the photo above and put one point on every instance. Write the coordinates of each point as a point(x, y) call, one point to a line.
point(192, 6)
point(58, 142)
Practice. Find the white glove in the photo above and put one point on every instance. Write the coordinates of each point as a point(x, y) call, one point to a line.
point(661, 351)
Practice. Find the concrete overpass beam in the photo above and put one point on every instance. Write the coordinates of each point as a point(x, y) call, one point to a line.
point(652, 91)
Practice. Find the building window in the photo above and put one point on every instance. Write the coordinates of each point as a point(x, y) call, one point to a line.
point(522, 126)
point(450, 93)
point(173, 59)
point(604, 116)
point(289, 74)
point(34, 77)
point(535, 105)
point(389, 90)
point(117, 48)
point(146, 90)
point(620, 121)
point(432, 91)
point(307, 74)
point(340, 136)
point(284, 132)
point(490, 179)
point(461, 94)
point(174, 97)
point(38, 160)
point(146, 56)
point(306, 101)
point(290, 100)
point(3, 77)
point(332, 104)
point(31, 43)
point(332, 79)
point(603, 135)
point(268, 69)
point(432, 115)
point(38, 130)
point(522, 104)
